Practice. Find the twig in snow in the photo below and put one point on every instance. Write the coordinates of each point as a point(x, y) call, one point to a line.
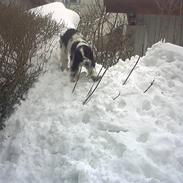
point(77, 80)
point(94, 82)
point(131, 70)
point(149, 86)
point(91, 93)
point(117, 96)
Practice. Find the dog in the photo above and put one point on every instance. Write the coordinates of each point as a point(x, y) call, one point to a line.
point(76, 52)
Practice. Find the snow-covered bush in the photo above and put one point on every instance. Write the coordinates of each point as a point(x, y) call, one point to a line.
point(106, 32)
point(25, 42)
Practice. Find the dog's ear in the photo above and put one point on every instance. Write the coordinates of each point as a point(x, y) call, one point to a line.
point(78, 56)
point(77, 59)
point(89, 54)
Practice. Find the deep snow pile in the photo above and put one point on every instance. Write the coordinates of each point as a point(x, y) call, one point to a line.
point(59, 13)
point(138, 138)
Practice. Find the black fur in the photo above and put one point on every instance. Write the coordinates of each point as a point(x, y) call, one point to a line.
point(67, 36)
point(88, 53)
point(78, 57)
point(76, 63)
point(73, 49)
point(80, 53)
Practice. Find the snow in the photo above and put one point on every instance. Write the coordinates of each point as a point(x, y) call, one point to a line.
point(137, 138)
point(59, 13)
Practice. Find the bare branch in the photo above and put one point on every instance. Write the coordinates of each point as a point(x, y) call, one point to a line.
point(77, 80)
point(117, 96)
point(131, 71)
point(149, 86)
point(91, 93)
point(91, 88)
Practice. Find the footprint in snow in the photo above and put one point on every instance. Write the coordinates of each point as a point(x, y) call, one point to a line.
point(143, 137)
point(144, 107)
point(122, 103)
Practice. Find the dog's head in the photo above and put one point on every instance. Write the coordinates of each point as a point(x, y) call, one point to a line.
point(83, 56)
point(87, 58)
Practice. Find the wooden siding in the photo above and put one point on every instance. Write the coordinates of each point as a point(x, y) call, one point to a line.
point(145, 7)
point(151, 29)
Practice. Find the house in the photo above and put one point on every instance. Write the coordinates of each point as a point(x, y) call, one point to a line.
point(76, 3)
point(151, 20)
point(79, 4)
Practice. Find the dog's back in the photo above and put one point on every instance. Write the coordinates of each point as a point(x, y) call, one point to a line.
point(65, 38)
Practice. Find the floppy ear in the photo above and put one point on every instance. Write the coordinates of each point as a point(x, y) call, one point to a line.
point(77, 59)
point(89, 54)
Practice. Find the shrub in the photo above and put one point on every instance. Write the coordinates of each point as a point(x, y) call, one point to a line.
point(106, 33)
point(25, 42)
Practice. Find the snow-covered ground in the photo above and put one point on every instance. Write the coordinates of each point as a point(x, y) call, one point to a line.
point(53, 138)
point(137, 138)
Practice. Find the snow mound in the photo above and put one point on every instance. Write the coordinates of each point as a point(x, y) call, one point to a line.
point(137, 138)
point(59, 13)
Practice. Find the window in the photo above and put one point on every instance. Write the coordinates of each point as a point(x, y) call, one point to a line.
point(69, 3)
point(131, 18)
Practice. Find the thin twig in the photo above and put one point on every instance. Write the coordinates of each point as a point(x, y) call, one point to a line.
point(77, 80)
point(149, 86)
point(131, 70)
point(91, 93)
point(91, 88)
point(142, 53)
point(117, 96)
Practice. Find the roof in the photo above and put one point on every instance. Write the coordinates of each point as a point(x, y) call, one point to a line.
point(148, 7)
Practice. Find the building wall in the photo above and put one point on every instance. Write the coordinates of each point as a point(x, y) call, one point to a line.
point(79, 3)
point(150, 29)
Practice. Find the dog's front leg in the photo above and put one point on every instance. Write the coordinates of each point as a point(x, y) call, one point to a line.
point(74, 73)
point(64, 59)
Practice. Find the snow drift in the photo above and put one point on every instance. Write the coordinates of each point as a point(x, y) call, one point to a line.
point(52, 137)
point(59, 13)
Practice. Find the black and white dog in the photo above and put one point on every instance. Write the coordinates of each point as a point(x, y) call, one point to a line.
point(77, 53)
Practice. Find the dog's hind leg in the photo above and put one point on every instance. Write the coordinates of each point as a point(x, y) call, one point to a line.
point(64, 58)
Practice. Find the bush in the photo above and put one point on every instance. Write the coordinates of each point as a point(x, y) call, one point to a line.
point(106, 33)
point(25, 42)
